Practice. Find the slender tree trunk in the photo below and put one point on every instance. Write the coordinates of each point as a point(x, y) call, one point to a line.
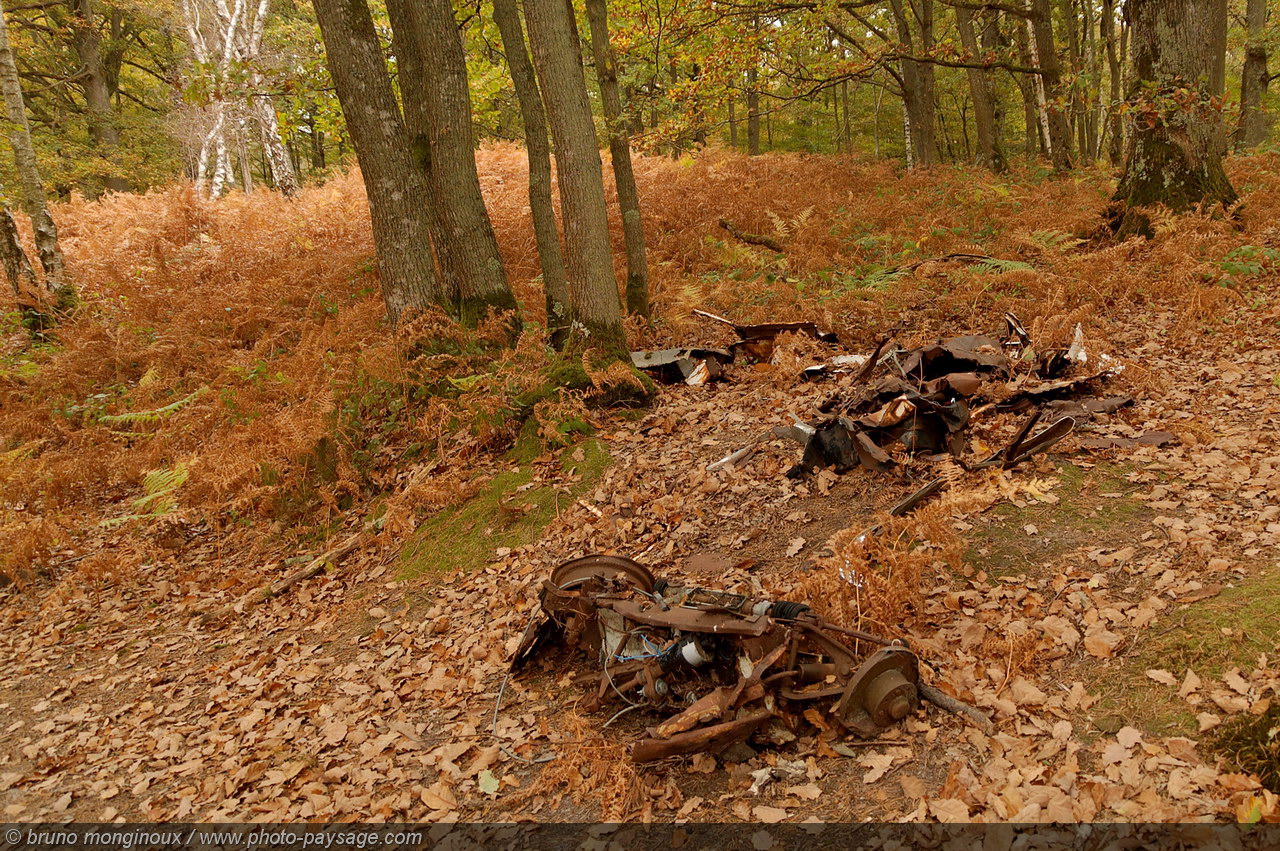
point(753, 113)
point(57, 290)
point(411, 64)
point(1028, 85)
point(593, 291)
point(914, 20)
point(982, 89)
point(282, 171)
point(1115, 121)
point(1057, 128)
point(1175, 157)
point(733, 121)
point(624, 178)
point(97, 92)
point(1254, 122)
point(538, 147)
point(396, 186)
point(246, 164)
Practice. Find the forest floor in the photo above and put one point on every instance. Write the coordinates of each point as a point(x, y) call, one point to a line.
point(1116, 613)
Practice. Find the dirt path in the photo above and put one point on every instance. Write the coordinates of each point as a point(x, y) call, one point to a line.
point(363, 695)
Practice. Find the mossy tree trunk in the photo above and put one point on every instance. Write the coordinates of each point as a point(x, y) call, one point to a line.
point(1179, 138)
point(595, 308)
point(624, 178)
point(538, 147)
point(1254, 79)
point(469, 238)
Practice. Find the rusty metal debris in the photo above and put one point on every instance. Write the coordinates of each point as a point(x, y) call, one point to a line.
point(690, 366)
point(719, 664)
point(757, 341)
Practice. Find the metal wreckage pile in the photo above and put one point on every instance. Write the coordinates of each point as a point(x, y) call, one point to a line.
point(722, 664)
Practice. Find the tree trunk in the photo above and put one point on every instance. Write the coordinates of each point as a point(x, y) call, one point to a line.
point(637, 289)
point(733, 121)
point(97, 91)
point(1049, 91)
point(472, 245)
point(538, 147)
point(1175, 157)
point(593, 292)
point(1254, 123)
point(917, 79)
point(982, 89)
point(753, 113)
point(411, 65)
point(282, 172)
point(21, 277)
point(1028, 85)
point(1115, 144)
point(397, 188)
point(57, 292)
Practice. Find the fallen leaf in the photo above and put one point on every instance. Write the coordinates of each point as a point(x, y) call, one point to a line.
point(1208, 721)
point(1162, 677)
point(794, 547)
point(949, 810)
point(769, 815)
point(1129, 736)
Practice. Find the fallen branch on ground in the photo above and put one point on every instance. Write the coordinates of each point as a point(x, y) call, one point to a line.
point(945, 701)
point(752, 238)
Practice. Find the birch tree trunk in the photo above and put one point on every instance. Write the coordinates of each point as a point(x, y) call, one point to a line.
point(624, 178)
point(397, 188)
point(1179, 137)
point(753, 113)
point(57, 291)
point(1254, 122)
point(506, 16)
point(21, 277)
point(593, 292)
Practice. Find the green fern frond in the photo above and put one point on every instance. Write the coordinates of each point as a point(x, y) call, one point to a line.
point(1000, 266)
point(155, 415)
point(158, 488)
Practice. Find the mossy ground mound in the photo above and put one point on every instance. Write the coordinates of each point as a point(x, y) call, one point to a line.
point(508, 512)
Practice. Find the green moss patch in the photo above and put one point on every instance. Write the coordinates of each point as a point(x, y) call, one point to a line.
point(508, 512)
point(1083, 516)
point(1209, 637)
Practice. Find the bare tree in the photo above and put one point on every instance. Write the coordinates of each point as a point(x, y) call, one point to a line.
point(637, 288)
point(593, 292)
point(57, 293)
point(1179, 138)
point(538, 147)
